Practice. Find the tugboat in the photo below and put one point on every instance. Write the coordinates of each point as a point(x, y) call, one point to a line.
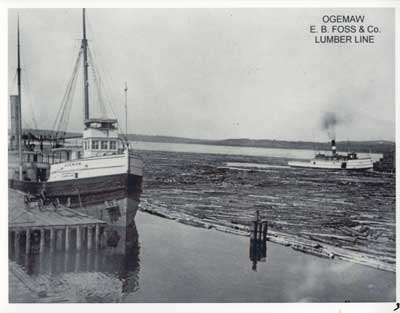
point(102, 169)
point(335, 161)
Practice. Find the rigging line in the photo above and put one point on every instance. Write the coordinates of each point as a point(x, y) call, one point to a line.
point(107, 77)
point(14, 80)
point(69, 107)
point(25, 85)
point(66, 112)
point(98, 83)
point(68, 90)
point(71, 95)
point(26, 124)
point(61, 112)
point(28, 93)
point(96, 76)
point(107, 91)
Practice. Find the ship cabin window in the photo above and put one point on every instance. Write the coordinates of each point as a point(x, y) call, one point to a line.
point(113, 145)
point(104, 145)
point(102, 124)
point(95, 144)
point(109, 125)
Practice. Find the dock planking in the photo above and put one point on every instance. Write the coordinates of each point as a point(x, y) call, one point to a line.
point(33, 225)
point(21, 216)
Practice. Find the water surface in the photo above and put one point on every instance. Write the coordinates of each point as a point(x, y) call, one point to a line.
point(172, 262)
point(237, 150)
point(180, 263)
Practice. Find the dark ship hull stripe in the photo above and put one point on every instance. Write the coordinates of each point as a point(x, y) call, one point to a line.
point(90, 190)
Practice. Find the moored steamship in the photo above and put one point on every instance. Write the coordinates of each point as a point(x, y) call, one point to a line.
point(101, 169)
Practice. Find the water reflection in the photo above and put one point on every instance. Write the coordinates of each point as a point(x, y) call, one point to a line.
point(86, 275)
point(258, 242)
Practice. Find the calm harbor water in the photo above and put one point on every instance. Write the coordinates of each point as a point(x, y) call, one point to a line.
point(235, 150)
point(197, 265)
point(172, 262)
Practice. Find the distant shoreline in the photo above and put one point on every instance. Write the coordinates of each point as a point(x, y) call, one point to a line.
point(373, 146)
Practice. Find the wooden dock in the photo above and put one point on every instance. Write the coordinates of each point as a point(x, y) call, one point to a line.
point(51, 226)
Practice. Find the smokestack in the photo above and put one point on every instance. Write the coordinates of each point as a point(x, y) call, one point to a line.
point(15, 117)
point(333, 145)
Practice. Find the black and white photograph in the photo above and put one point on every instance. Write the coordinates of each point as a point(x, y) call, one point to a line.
point(201, 155)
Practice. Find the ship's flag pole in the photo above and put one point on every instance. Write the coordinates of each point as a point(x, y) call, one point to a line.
point(85, 66)
point(19, 121)
point(126, 110)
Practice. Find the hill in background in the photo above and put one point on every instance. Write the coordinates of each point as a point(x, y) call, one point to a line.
point(374, 146)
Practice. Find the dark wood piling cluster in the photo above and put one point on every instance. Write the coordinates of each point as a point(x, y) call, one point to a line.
point(258, 240)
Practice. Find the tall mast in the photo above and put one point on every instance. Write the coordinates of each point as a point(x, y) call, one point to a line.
point(126, 110)
point(19, 111)
point(85, 68)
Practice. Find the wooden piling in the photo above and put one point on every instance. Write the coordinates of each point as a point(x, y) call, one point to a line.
point(67, 239)
point(52, 237)
point(28, 241)
point(60, 223)
point(255, 226)
point(41, 249)
point(78, 238)
point(265, 231)
point(101, 237)
point(59, 237)
point(89, 237)
point(16, 243)
point(97, 236)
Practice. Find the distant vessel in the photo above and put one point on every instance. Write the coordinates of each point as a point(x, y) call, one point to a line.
point(335, 161)
point(103, 168)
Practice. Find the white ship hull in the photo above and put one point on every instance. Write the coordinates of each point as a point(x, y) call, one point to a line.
point(358, 164)
point(96, 167)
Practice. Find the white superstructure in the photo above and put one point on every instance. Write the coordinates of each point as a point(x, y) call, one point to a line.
point(100, 137)
point(103, 154)
point(335, 161)
point(359, 164)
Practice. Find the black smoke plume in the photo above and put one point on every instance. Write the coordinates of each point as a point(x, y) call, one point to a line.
point(329, 122)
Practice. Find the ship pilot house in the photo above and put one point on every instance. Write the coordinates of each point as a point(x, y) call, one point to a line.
point(100, 137)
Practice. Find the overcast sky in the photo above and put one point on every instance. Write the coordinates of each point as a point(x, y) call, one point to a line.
point(212, 73)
